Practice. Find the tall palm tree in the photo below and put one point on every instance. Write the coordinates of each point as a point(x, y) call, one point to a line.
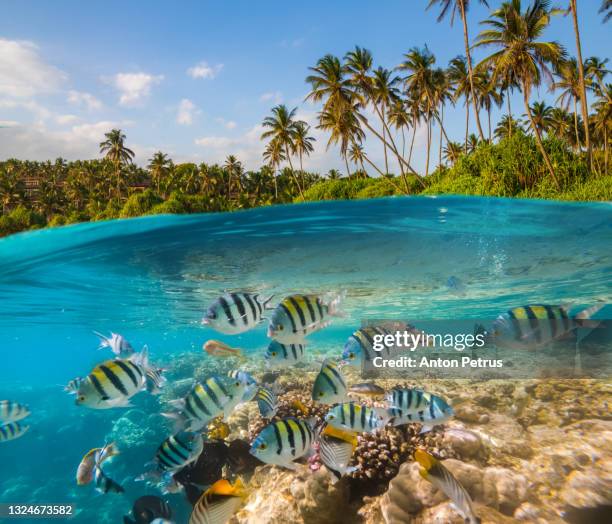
point(302, 141)
point(114, 149)
point(461, 7)
point(561, 124)
point(356, 156)
point(282, 127)
point(384, 93)
point(459, 77)
point(506, 127)
point(452, 152)
point(568, 81)
point(489, 94)
point(233, 166)
point(542, 117)
point(596, 71)
point(521, 53)
point(473, 143)
point(159, 165)
point(582, 86)
point(602, 120)
point(400, 119)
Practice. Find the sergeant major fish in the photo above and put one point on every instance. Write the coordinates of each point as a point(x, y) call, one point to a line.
point(12, 431)
point(117, 344)
point(297, 316)
point(434, 471)
point(105, 484)
point(235, 313)
point(12, 411)
point(408, 400)
point(329, 385)
point(112, 383)
point(283, 355)
point(356, 417)
point(250, 384)
point(282, 442)
point(434, 413)
point(178, 451)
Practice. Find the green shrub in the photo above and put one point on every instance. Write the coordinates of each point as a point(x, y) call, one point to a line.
point(20, 219)
point(139, 204)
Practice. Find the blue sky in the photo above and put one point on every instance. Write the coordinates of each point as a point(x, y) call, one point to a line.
point(195, 79)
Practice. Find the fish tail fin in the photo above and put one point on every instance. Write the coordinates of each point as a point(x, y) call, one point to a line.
point(104, 343)
point(266, 302)
point(584, 317)
point(333, 306)
point(178, 418)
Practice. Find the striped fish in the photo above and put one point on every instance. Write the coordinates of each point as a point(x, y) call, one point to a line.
point(178, 451)
point(267, 401)
point(436, 412)
point(297, 316)
point(117, 344)
point(105, 484)
point(235, 313)
point(336, 453)
point(12, 411)
point(434, 471)
point(537, 325)
point(12, 431)
point(218, 504)
point(356, 417)
point(112, 383)
point(282, 442)
point(283, 355)
point(408, 400)
point(207, 400)
point(329, 386)
point(250, 384)
point(73, 386)
point(93, 457)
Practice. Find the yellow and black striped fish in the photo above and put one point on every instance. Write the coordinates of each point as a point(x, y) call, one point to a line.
point(112, 383)
point(284, 441)
point(297, 316)
point(284, 355)
point(537, 325)
point(267, 401)
point(235, 313)
point(329, 386)
point(357, 417)
point(105, 484)
point(12, 411)
point(179, 450)
point(12, 431)
point(207, 400)
point(218, 503)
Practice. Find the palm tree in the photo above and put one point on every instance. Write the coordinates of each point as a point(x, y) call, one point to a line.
point(606, 10)
point(384, 93)
point(541, 116)
point(234, 172)
point(158, 166)
point(452, 152)
point(506, 127)
point(400, 120)
point(113, 149)
point(282, 127)
point(472, 143)
point(356, 156)
point(489, 93)
point(333, 174)
point(561, 124)
point(459, 77)
point(602, 120)
point(596, 72)
point(520, 52)
point(302, 141)
point(461, 7)
point(569, 84)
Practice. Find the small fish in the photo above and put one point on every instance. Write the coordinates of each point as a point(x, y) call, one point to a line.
point(12, 431)
point(216, 348)
point(249, 382)
point(235, 313)
point(12, 411)
point(178, 451)
point(367, 389)
point(155, 380)
point(329, 386)
point(456, 286)
point(267, 401)
point(336, 455)
point(436, 412)
point(215, 396)
point(95, 456)
point(73, 386)
point(105, 484)
point(299, 405)
point(297, 316)
point(434, 471)
point(112, 383)
point(408, 400)
point(356, 417)
point(117, 343)
point(534, 326)
point(283, 355)
point(282, 442)
point(218, 503)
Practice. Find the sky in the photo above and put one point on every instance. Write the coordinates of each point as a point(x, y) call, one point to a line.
point(196, 79)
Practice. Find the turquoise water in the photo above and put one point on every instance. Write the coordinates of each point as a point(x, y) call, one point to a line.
point(152, 278)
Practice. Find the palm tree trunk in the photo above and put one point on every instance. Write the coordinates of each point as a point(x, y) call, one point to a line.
point(414, 130)
point(403, 142)
point(384, 133)
point(606, 149)
point(347, 166)
point(467, 126)
point(295, 179)
point(391, 143)
point(583, 97)
point(578, 144)
point(509, 114)
point(469, 64)
point(489, 115)
point(441, 119)
point(539, 138)
point(428, 146)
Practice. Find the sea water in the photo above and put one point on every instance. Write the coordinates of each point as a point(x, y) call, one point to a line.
point(152, 278)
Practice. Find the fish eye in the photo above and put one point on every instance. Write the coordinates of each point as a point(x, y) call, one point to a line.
point(236, 384)
point(280, 327)
point(211, 314)
point(320, 393)
point(263, 445)
point(331, 417)
point(351, 355)
point(273, 353)
point(81, 397)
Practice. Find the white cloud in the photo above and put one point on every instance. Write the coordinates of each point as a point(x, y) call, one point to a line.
point(186, 111)
point(228, 124)
point(40, 112)
point(274, 96)
point(23, 73)
point(203, 70)
point(84, 99)
point(66, 119)
point(216, 142)
point(134, 87)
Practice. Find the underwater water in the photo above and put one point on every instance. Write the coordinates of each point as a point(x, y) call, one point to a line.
point(151, 280)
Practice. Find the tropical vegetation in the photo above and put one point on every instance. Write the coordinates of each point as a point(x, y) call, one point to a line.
point(542, 151)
